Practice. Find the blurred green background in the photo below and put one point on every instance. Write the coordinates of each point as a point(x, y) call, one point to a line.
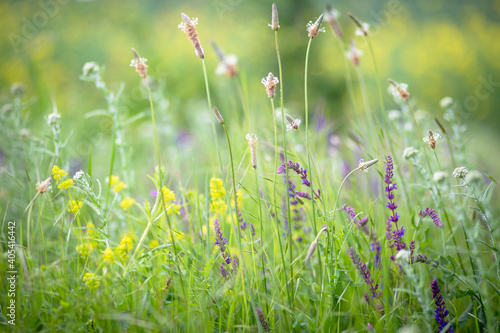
point(439, 48)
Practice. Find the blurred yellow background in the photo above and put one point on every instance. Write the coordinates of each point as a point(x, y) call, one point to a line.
point(439, 48)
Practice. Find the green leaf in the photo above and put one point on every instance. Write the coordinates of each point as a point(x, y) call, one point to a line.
point(97, 113)
point(459, 293)
point(466, 315)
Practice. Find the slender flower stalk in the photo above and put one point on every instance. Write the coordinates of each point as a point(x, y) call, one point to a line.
point(282, 106)
point(313, 30)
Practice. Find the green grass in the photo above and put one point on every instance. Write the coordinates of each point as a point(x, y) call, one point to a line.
point(131, 260)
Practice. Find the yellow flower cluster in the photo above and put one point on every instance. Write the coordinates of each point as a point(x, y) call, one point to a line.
point(92, 234)
point(74, 206)
point(217, 193)
point(109, 256)
point(121, 250)
point(58, 173)
point(91, 280)
point(169, 198)
point(126, 203)
point(66, 184)
point(85, 248)
point(116, 184)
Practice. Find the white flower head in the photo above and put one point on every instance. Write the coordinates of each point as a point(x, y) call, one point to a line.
point(439, 177)
point(409, 153)
point(446, 102)
point(353, 54)
point(54, 118)
point(394, 115)
point(90, 68)
point(403, 256)
point(363, 31)
point(460, 172)
point(78, 175)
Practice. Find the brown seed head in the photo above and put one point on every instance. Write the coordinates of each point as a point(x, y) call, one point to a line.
point(42, 187)
point(139, 64)
point(270, 82)
point(331, 17)
point(219, 117)
point(189, 27)
point(432, 140)
point(252, 142)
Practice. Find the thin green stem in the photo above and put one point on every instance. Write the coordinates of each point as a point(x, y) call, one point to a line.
point(289, 290)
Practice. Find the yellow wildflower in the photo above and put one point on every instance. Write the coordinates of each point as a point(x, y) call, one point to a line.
point(154, 243)
point(173, 209)
point(114, 180)
point(92, 281)
point(127, 203)
point(127, 241)
point(58, 173)
point(216, 188)
point(109, 256)
point(122, 249)
point(66, 184)
point(218, 206)
point(179, 235)
point(120, 186)
point(239, 198)
point(168, 195)
point(74, 206)
point(85, 248)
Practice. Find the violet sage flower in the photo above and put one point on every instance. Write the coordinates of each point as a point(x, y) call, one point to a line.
point(393, 236)
point(365, 273)
point(433, 214)
point(441, 311)
point(360, 223)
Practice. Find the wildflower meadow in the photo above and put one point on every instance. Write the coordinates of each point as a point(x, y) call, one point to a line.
point(257, 206)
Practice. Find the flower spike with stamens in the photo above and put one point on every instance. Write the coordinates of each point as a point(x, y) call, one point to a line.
point(227, 65)
point(354, 54)
point(139, 64)
point(431, 139)
point(270, 82)
point(189, 27)
point(399, 91)
point(293, 123)
point(362, 27)
point(315, 28)
point(331, 17)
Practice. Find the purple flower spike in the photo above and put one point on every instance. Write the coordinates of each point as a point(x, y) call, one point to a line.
point(360, 223)
point(365, 273)
point(441, 311)
point(433, 214)
point(393, 236)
